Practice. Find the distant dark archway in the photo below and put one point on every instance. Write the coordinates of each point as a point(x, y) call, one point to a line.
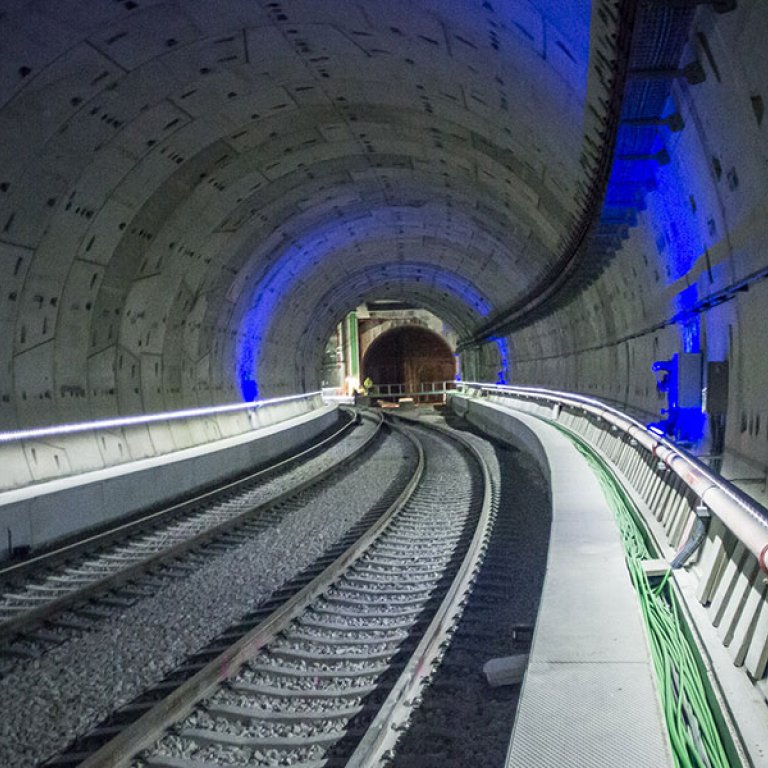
point(409, 355)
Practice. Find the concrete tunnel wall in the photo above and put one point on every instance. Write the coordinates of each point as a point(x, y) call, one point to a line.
point(194, 193)
point(702, 236)
point(188, 187)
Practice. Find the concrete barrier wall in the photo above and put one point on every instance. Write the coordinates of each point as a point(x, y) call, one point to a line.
point(41, 514)
point(504, 426)
point(27, 461)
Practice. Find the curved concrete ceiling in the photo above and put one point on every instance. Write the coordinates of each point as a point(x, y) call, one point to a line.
point(179, 178)
point(444, 293)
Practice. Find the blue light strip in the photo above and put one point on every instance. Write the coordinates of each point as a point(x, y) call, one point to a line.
point(292, 266)
point(501, 344)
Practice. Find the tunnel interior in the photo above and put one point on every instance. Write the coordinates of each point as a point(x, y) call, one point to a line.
point(408, 355)
point(193, 196)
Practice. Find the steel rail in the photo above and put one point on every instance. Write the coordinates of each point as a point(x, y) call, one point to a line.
point(744, 517)
point(143, 732)
point(384, 730)
point(39, 614)
point(114, 532)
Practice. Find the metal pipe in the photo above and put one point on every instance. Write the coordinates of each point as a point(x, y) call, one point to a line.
point(744, 517)
point(696, 537)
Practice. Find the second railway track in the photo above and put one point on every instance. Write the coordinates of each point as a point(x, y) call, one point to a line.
point(101, 667)
point(36, 592)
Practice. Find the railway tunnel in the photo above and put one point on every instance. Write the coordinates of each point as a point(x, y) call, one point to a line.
point(196, 196)
point(408, 355)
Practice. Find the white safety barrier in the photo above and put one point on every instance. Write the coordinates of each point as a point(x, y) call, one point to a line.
point(43, 453)
point(59, 481)
point(678, 490)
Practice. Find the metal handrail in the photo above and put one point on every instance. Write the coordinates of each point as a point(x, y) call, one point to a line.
point(424, 388)
point(743, 516)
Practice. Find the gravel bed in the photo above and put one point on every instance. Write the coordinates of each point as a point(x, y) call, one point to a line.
point(283, 664)
point(49, 701)
point(415, 549)
point(304, 665)
point(308, 684)
point(393, 636)
point(462, 721)
point(295, 704)
point(220, 755)
point(254, 728)
point(95, 567)
point(373, 570)
point(387, 589)
point(433, 561)
point(384, 583)
point(317, 646)
point(352, 612)
point(372, 597)
point(349, 622)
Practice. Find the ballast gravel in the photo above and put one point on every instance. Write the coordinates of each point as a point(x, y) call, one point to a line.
point(48, 702)
point(462, 721)
point(300, 662)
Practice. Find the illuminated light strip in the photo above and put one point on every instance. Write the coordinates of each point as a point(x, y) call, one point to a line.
point(146, 418)
point(754, 510)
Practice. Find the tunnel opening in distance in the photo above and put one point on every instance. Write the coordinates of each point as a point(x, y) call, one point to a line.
point(411, 356)
point(389, 347)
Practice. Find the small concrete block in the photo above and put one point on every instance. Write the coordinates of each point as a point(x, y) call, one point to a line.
point(506, 670)
point(655, 569)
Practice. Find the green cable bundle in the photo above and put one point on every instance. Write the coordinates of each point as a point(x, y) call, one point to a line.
point(694, 736)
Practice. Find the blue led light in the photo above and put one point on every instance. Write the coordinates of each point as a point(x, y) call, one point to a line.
point(501, 346)
point(250, 389)
point(671, 210)
point(296, 264)
point(679, 380)
point(686, 303)
point(646, 176)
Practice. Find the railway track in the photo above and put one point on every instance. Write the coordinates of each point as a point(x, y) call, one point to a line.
point(43, 598)
point(325, 678)
point(129, 712)
point(497, 621)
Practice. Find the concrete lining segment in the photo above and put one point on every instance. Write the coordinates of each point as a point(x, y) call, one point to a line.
point(159, 159)
point(46, 512)
point(588, 697)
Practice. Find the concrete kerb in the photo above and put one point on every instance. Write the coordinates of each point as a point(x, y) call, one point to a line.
point(39, 515)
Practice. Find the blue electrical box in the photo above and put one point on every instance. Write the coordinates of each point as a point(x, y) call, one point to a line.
point(680, 378)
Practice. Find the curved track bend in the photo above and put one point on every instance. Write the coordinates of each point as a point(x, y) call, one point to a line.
point(107, 567)
point(329, 677)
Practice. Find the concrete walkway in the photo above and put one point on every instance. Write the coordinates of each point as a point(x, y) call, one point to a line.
point(589, 697)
